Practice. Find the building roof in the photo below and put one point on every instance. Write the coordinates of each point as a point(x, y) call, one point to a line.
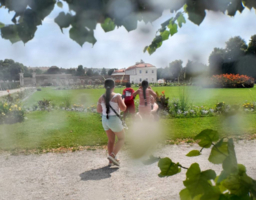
point(140, 65)
point(119, 71)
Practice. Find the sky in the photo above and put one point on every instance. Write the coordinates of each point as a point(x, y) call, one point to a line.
point(121, 49)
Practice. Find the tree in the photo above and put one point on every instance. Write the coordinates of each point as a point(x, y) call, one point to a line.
point(175, 68)
point(252, 46)
point(9, 70)
point(103, 71)
point(87, 14)
point(53, 70)
point(80, 71)
point(194, 69)
point(110, 72)
point(89, 72)
point(235, 48)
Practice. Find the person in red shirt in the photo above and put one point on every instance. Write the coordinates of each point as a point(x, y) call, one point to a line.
point(128, 100)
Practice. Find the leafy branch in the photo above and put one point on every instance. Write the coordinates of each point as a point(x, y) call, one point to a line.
point(232, 183)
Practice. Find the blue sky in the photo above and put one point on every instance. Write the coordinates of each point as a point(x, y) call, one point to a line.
point(120, 49)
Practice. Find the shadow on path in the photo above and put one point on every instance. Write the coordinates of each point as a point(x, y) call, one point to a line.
point(98, 174)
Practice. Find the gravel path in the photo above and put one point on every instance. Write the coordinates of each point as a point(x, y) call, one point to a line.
point(4, 92)
point(84, 176)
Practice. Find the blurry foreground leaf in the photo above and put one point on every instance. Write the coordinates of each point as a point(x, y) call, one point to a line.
point(167, 167)
point(193, 153)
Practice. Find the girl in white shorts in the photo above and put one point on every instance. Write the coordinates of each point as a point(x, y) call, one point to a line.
point(108, 105)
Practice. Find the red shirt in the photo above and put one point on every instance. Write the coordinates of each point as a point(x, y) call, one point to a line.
point(128, 95)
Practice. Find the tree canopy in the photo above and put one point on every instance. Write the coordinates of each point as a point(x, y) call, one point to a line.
point(29, 14)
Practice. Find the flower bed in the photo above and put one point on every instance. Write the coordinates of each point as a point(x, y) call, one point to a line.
point(230, 81)
point(10, 113)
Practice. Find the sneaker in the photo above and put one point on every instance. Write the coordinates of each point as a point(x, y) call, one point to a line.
point(114, 160)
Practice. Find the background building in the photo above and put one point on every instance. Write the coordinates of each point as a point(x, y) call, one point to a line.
point(139, 72)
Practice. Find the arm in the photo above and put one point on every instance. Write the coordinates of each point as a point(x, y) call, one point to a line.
point(152, 93)
point(123, 96)
point(99, 107)
point(135, 93)
point(121, 103)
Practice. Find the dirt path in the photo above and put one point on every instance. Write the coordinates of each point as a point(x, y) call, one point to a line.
point(84, 176)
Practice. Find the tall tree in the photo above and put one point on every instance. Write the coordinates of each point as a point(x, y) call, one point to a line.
point(252, 46)
point(89, 72)
point(175, 68)
point(103, 71)
point(80, 71)
point(235, 48)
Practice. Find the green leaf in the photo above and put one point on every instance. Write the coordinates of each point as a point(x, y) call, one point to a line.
point(108, 25)
point(250, 3)
point(181, 20)
point(206, 138)
point(241, 169)
point(230, 163)
point(213, 194)
point(193, 153)
point(197, 182)
point(1, 25)
point(10, 33)
point(167, 167)
point(238, 185)
point(26, 32)
point(63, 20)
point(173, 28)
point(196, 11)
point(185, 195)
point(151, 49)
point(130, 22)
point(82, 35)
point(219, 152)
point(165, 35)
point(145, 49)
point(59, 3)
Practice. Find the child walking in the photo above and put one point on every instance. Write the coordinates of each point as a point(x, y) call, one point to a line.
point(145, 93)
point(128, 100)
point(109, 105)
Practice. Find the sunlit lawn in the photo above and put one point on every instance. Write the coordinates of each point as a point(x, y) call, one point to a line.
point(43, 130)
point(196, 95)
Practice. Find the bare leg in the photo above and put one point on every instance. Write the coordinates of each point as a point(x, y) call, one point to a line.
point(120, 142)
point(111, 140)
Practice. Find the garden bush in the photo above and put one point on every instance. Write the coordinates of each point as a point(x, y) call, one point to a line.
point(230, 81)
point(10, 113)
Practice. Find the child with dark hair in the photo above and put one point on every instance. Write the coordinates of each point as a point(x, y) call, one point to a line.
point(145, 92)
point(109, 105)
point(128, 100)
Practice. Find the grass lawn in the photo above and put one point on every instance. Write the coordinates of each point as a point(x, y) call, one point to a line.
point(196, 95)
point(43, 130)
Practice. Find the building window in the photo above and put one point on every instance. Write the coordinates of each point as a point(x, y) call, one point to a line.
point(140, 79)
point(146, 71)
point(146, 79)
point(140, 71)
point(152, 71)
point(152, 79)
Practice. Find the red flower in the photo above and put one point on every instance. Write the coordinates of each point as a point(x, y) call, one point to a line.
point(163, 92)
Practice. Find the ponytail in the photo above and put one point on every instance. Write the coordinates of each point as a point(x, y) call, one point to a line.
point(144, 85)
point(109, 85)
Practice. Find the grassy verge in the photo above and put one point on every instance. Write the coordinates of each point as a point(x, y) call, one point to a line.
point(48, 130)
